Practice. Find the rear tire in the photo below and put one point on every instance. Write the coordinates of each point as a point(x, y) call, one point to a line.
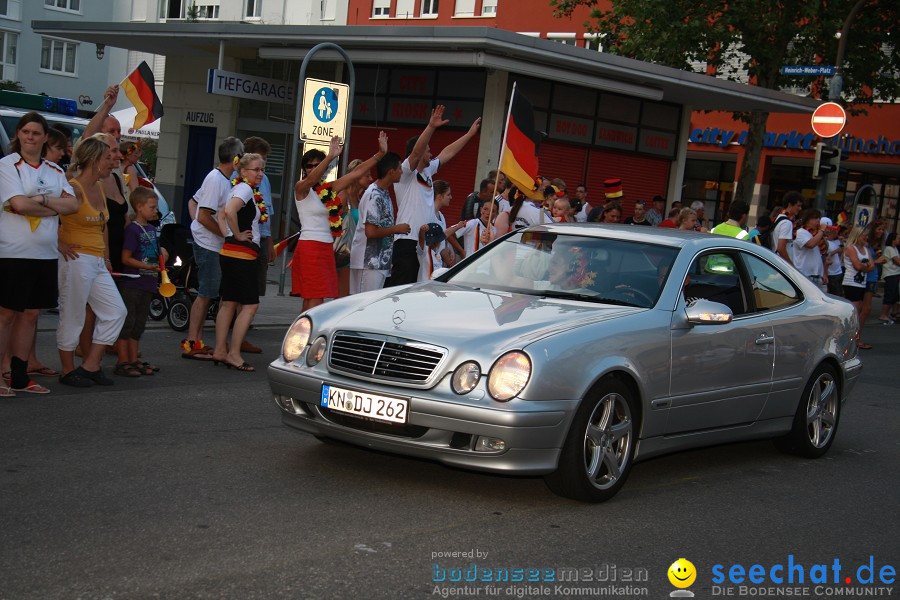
point(597, 455)
point(817, 416)
point(179, 314)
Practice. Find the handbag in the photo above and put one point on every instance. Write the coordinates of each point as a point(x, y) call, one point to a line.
point(343, 241)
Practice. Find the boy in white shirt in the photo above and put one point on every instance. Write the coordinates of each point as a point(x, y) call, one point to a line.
point(475, 229)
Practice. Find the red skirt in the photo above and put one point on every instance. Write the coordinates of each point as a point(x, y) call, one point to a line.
point(315, 269)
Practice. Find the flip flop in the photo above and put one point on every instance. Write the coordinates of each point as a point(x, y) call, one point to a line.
point(246, 367)
point(6, 391)
point(31, 388)
point(43, 371)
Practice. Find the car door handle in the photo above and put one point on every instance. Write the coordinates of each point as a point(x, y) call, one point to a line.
point(764, 339)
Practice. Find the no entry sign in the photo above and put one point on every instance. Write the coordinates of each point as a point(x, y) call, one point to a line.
point(828, 120)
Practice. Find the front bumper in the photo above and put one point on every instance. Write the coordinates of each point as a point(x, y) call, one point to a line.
point(440, 427)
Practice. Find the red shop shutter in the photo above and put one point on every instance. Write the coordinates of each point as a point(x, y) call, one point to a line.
point(564, 161)
point(642, 177)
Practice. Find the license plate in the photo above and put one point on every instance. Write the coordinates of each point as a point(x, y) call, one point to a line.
point(372, 406)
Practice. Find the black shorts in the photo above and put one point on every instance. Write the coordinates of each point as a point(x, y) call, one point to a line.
point(239, 280)
point(137, 302)
point(853, 293)
point(404, 263)
point(28, 283)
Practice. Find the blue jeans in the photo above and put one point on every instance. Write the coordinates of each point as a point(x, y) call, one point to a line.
point(209, 273)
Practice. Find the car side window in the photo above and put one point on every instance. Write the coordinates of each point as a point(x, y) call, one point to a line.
point(770, 287)
point(715, 277)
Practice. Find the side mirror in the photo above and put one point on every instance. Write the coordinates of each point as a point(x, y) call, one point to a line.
point(704, 312)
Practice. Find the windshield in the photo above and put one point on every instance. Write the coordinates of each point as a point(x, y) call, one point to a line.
point(571, 266)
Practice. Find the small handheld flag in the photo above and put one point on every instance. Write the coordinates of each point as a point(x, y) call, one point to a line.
point(280, 246)
point(140, 88)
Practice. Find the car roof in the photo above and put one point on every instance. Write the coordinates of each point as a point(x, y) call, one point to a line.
point(50, 116)
point(652, 235)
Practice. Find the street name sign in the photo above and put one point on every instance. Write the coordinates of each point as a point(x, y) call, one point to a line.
point(323, 112)
point(829, 119)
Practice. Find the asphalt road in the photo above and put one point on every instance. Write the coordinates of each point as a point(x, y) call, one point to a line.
point(186, 485)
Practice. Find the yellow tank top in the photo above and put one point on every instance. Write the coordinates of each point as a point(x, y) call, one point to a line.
point(85, 228)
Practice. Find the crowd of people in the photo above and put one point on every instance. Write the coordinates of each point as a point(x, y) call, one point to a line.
point(79, 233)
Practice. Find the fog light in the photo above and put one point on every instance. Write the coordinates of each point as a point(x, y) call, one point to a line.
point(285, 402)
point(316, 352)
point(489, 444)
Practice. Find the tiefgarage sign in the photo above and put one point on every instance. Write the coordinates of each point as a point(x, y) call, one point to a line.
point(238, 85)
point(323, 112)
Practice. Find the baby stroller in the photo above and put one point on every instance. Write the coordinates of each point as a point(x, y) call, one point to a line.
point(177, 241)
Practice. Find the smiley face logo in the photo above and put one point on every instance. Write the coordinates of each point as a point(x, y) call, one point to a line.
point(682, 573)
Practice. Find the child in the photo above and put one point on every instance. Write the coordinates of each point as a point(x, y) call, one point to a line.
point(563, 211)
point(140, 256)
point(431, 236)
point(477, 232)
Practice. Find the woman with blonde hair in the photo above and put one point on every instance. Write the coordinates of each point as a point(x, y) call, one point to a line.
point(858, 263)
point(686, 219)
point(84, 274)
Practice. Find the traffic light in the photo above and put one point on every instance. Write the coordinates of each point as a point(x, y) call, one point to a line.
point(828, 159)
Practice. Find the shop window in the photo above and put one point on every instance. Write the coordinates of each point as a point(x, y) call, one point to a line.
point(381, 9)
point(58, 56)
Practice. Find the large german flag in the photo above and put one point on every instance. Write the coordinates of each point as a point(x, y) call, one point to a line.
point(140, 88)
point(519, 160)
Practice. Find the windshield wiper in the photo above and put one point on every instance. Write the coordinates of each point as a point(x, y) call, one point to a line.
point(583, 297)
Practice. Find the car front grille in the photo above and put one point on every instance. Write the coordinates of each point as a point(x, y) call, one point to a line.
point(383, 358)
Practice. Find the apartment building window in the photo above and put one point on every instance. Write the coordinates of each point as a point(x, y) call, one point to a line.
point(464, 8)
point(381, 9)
point(8, 43)
point(171, 9)
point(405, 9)
point(11, 9)
point(562, 37)
point(429, 8)
point(58, 56)
point(593, 41)
point(254, 9)
point(207, 11)
point(70, 5)
point(488, 8)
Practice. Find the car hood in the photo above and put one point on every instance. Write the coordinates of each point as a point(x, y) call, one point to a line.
point(447, 314)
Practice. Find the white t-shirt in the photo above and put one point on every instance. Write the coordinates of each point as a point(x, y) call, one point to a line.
point(834, 263)
point(415, 198)
point(18, 178)
point(784, 230)
point(313, 219)
point(807, 260)
point(429, 262)
point(214, 192)
point(472, 235)
point(889, 269)
point(529, 214)
point(582, 215)
point(502, 204)
point(245, 193)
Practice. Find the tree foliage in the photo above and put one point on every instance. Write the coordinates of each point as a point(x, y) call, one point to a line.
point(751, 40)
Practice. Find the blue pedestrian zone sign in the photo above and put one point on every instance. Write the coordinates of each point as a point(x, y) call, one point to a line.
point(813, 70)
point(325, 104)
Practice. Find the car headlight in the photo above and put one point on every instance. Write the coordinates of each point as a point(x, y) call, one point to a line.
point(296, 338)
point(465, 377)
point(316, 351)
point(509, 375)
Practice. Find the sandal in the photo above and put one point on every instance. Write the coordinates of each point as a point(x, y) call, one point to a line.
point(144, 368)
point(146, 365)
point(43, 371)
point(75, 379)
point(127, 369)
point(246, 367)
point(6, 391)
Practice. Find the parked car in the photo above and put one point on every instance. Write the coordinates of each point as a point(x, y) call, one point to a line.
point(574, 350)
point(9, 118)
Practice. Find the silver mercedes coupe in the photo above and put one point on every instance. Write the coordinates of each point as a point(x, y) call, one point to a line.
point(572, 351)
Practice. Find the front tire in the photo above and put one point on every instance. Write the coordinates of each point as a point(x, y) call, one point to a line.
point(179, 314)
point(817, 416)
point(597, 455)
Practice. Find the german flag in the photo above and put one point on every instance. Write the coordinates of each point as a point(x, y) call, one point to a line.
point(518, 160)
point(282, 245)
point(139, 87)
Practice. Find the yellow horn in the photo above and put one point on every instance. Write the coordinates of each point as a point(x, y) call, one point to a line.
point(166, 288)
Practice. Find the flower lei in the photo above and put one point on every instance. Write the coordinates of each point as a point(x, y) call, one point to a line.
point(333, 205)
point(257, 197)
